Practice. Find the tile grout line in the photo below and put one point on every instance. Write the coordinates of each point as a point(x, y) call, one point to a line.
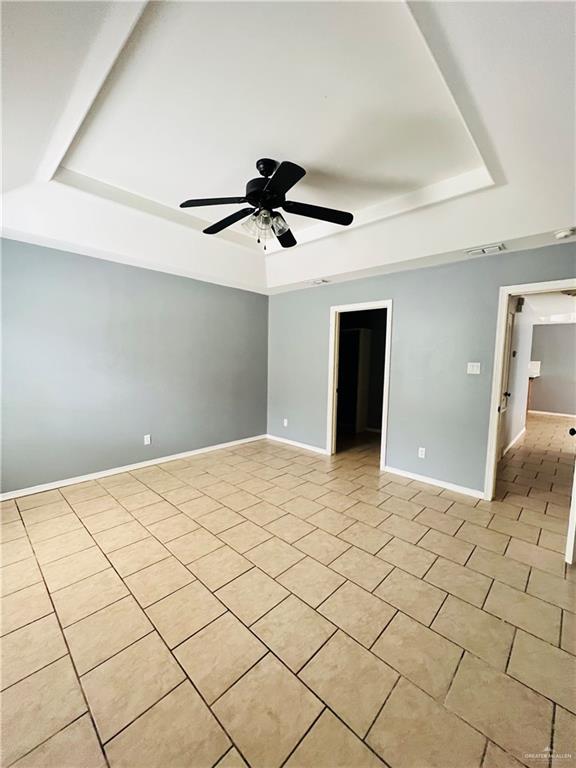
point(186, 677)
point(69, 654)
point(380, 582)
point(304, 735)
point(44, 666)
point(60, 730)
point(552, 735)
point(485, 751)
point(381, 708)
point(271, 651)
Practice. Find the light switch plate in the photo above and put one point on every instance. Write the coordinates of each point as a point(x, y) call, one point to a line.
point(147, 439)
point(473, 368)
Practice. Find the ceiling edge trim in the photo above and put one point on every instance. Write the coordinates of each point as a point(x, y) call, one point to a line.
point(91, 186)
point(33, 238)
point(539, 240)
point(441, 191)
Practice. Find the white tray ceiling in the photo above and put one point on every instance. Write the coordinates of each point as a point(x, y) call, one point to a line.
point(434, 123)
point(349, 91)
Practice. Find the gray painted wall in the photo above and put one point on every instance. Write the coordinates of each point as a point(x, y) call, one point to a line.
point(442, 318)
point(98, 354)
point(555, 389)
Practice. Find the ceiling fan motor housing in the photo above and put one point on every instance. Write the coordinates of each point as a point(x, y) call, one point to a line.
point(259, 197)
point(266, 166)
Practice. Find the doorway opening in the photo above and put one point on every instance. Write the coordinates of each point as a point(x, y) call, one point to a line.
point(532, 439)
point(359, 371)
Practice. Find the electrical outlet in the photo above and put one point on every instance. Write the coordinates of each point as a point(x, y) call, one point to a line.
point(285, 422)
point(473, 369)
point(421, 453)
point(147, 439)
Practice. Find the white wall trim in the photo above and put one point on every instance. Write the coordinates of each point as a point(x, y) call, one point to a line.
point(439, 191)
point(433, 481)
point(34, 238)
point(92, 186)
point(296, 444)
point(513, 442)
point(335, 311)
point(553, 413)
point(126, 468)
point(570, 551)
point(505, 292)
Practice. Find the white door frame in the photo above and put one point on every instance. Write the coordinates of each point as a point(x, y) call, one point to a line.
point(333, 355)
point(570, 553)
point(506, 291)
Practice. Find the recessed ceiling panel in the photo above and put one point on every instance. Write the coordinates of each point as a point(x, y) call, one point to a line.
point(349, 91)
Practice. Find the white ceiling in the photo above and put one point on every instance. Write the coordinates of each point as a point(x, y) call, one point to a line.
point(205, 89)
point(403, 114)
point(68, 30)
point(552, 308)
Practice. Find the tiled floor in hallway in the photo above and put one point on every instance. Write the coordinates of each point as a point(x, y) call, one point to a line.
point(268, 606)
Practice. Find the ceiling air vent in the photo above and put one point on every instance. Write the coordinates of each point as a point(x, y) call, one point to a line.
point(562, 234)
point(486, 250)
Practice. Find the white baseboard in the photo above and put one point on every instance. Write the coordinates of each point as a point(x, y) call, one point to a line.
point(208, 449)
point(513, 443)
point(296, 444)
point(126, 468)
point(432, 481)
point(553, 413)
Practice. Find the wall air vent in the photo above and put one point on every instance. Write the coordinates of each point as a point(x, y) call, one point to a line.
point(486, 250)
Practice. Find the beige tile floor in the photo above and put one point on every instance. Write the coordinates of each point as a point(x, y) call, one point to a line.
point(266, 606)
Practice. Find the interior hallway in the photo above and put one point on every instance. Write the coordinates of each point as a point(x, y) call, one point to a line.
point(540, 467)
point(363, 440)
point(267, 606)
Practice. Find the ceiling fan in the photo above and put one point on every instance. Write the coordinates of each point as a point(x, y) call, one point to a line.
point(264, 195)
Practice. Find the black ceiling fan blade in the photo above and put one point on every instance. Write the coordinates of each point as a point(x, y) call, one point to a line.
point(227, 221)
point(211, 201)
point(319, 212)
point(286, 175)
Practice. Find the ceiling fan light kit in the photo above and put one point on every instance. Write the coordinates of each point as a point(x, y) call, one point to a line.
point(263, 225)
point(265, 194)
